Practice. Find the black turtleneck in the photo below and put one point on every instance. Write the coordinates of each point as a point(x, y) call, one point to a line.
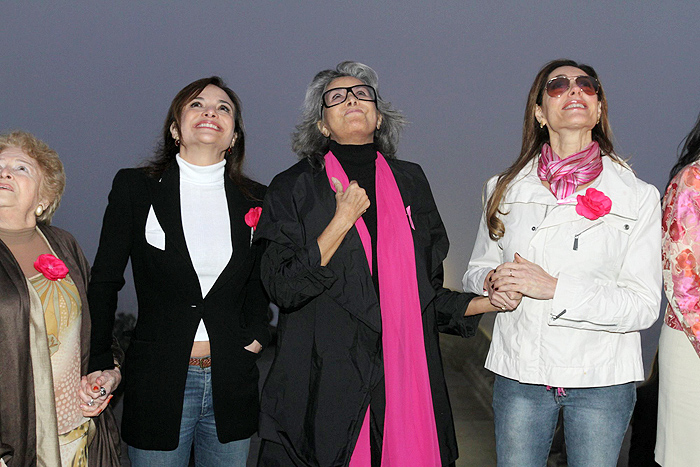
point(358, 164)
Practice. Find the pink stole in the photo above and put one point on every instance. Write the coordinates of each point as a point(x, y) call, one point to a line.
point(410, 435)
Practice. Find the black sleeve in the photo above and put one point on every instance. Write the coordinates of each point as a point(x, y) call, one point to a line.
point(450, 305)
point(291, 268)
point(256, 306)
point(107, 276)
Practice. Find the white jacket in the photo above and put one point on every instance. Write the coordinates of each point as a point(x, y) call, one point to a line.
point(609, 281)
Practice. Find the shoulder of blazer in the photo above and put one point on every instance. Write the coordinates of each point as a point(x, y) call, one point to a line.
point(132, 180)
point(257, 190)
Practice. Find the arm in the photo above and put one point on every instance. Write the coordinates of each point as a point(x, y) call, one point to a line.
point(457, 313)
point(682, 248)
point(486, 257)
point(108, 271)
point(255, 308)
point(350, 205)
point(631, 303)
point(290, 267)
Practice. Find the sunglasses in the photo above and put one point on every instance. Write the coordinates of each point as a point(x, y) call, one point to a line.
point(558, 85)
point(337, 96)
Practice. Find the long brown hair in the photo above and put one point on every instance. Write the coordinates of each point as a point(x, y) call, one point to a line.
point(167, 149)
point(534, 138)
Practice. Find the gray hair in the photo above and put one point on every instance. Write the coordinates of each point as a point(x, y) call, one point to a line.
point(307, 140)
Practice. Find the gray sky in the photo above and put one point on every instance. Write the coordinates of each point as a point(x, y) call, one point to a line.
point(94, 80)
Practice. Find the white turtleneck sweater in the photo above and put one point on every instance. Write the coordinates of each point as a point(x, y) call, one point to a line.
point(206, 224)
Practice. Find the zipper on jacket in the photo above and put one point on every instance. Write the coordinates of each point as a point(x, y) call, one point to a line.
point(584, 231)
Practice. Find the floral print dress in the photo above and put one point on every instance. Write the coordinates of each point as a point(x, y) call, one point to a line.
point(680, 253)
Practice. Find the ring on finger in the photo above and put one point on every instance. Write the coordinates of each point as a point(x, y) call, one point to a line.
point(503, 308)
point(91, 403)
point(103, 391)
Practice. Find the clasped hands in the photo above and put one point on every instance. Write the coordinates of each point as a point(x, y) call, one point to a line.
point(95, 390)
point(509, 282)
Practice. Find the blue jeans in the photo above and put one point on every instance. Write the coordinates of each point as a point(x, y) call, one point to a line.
point(595, 421)
point(197, 426)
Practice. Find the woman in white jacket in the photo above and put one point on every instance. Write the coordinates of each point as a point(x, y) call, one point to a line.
point(569, 250)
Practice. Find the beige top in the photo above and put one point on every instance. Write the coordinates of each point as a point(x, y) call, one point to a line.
point(61, 304)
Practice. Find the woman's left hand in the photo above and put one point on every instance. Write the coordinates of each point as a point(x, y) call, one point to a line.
point(524, 277)
point(96, 389)
point(254, 346)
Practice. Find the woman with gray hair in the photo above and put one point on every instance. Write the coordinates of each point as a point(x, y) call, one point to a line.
point(354, 255)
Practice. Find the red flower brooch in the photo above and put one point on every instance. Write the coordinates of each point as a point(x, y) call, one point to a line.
point(593, 204)
point(51, 267)
point(253, 217)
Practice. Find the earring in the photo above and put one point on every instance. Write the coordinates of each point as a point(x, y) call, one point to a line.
point(39, 210)
point(177, 141)
point(542, 124)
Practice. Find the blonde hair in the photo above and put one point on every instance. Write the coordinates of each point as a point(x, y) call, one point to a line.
point(53, 180)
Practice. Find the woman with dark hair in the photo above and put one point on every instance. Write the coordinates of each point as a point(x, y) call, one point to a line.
point(568, 251)
point(185, 221)
point(679, 344)
point(354, 261)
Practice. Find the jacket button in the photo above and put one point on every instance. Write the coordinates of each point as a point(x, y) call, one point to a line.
point(627, 227)
point(534, 228)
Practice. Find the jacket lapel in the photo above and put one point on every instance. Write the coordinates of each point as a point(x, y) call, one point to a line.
point(238, 207)
point(166, 204)
point(410, 191)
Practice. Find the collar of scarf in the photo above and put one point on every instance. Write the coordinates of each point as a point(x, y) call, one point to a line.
point(565, 175)
point(409, 417)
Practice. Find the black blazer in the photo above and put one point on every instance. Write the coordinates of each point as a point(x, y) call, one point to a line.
point(170, 306)
point(329, 342)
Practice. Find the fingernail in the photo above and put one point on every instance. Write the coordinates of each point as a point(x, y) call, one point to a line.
point(95, 388)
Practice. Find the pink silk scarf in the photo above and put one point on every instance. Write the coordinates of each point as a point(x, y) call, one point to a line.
point(565, 175)
point(410, 435)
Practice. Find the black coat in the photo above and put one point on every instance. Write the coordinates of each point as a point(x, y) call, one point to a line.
point(329, 342)
point(170, 306)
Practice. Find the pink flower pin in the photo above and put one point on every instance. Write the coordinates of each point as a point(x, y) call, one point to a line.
point(51, 267)
point(253, 216)
point(593, 204)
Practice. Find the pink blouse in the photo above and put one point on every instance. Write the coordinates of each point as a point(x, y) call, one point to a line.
point(681, 248)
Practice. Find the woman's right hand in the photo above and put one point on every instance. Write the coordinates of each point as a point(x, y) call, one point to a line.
point(350, 203)
point(504, 301)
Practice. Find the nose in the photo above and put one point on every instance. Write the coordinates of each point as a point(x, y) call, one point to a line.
point(348, 99)
point(5, 172)
point(210, 112)
point(575, 88)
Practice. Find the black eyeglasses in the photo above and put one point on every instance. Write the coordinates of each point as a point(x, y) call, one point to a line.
point(337, 96)
point(558, 85)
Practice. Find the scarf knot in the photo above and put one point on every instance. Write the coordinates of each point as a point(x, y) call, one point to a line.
point(565, 175)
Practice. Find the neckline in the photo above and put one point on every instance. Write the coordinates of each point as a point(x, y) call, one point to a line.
point(354, 154)
point(18, 237)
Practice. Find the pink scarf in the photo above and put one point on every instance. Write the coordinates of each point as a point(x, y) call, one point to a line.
point(410, 435)
point(564, 175)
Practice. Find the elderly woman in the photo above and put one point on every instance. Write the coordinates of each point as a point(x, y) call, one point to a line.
point(44, 321)
point(679, 345)
point(354, 260)
point(185, 221)
point(568, 249)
